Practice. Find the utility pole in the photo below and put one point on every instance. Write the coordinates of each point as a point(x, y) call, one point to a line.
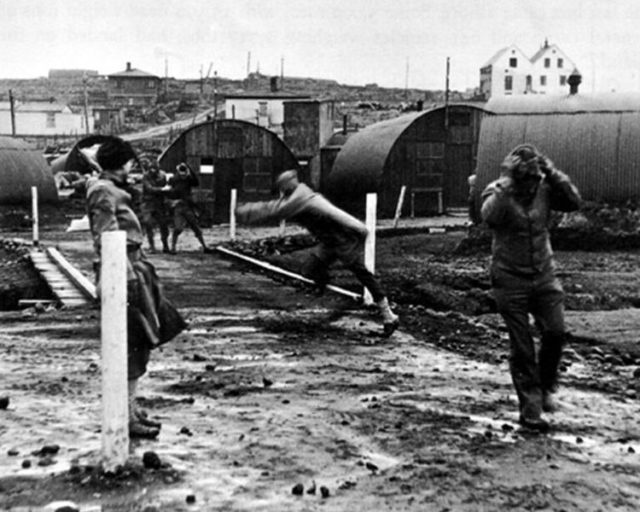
point(282, 73)
point(215, 94)
point(248, 64)
point(166, 78)
point(13, 113)
point(446, 99)
point(86, 102)
point(406, 82)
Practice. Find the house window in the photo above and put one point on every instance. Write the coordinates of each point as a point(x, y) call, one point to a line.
point(547, 63)
point(262, 108)
point(51, 120)
point(529, 82)
point(543, 79)
point(563, 79)
point(560, 63)
point(151, 84)
point(513, 62)
point(508, 83)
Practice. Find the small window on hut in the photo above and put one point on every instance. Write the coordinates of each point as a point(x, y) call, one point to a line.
point(51, 120)
point(543, 79)
point(563, 79)
point(513, 62)
point(547, 63)
point(560, 63)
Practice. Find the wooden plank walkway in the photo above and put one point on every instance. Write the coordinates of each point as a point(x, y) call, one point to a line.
point(67, 283)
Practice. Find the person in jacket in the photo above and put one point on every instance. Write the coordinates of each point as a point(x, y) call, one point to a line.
point(341, 236)
point(151, 319)
point(517, 208)
point(184, 208)
point(154, 209)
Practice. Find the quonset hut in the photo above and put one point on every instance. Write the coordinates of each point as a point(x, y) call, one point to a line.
point(229, 154)
point(432, 153)
point(594, 138)
point(23, 167)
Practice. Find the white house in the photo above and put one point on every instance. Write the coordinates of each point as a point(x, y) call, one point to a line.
point(510, 71)
point(266, 110)
point(42, 118)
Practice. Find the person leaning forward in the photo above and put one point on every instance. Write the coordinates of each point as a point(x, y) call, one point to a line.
point(340, 235)
point(517, 208)
point(151, 319)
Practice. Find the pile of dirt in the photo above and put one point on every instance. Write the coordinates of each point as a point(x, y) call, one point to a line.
point(18, 278)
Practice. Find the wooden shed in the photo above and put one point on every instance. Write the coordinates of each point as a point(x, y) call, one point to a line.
point(595, 138)
point(432, 153)
point(229, 154)
point(23, 167)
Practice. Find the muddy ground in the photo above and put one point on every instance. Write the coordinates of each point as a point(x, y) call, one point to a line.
point(275, 386)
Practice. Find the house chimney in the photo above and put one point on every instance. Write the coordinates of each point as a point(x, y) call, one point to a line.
point(128, 66)
point(575, 79)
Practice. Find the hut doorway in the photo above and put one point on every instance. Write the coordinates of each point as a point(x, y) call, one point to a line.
point(228, 175)
point(459, 167)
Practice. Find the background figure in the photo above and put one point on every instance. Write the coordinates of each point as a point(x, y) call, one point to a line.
point(474, 216)
point(155, 207)
point(184, 208)
point(341, 236)
point(517, 208)
point(151, 319)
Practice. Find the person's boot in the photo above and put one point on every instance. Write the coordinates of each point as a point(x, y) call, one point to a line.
point(390, 320)
point(549, 403)
point(531, 417)
point(137, 428)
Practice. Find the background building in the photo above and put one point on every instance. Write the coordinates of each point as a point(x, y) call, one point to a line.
point(511, 72)
point(133, 87)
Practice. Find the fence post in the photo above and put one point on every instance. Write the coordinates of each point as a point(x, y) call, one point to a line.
point(396, 218)
point(113, 332)
point(232, 214)
point(34, 216)
point(370, 242)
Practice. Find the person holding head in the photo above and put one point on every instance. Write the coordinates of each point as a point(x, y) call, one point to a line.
point(517, 208)
point(154, 209)
point(184, 208)
point(340, 235)
point(151, 319)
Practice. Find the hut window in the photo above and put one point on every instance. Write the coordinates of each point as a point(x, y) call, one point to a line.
point(508, 83)
point(560, 63)
point(151, 84)
point(543, 79)
point(563, 79)
point(513, 62)
point(430, 150)
point(547, 63)
point(262, 108)
point(51, 120)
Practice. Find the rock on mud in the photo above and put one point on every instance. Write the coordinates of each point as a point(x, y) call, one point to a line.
point(298, 489)
point(150, 460)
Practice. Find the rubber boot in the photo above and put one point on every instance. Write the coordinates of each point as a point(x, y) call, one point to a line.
point(390, 320)
point(139, 426)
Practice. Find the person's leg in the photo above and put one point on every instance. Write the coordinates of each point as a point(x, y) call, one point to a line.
point(164, 232)
point(192, 221)
point(513, 304)
point(316, 267)
point(548, 310)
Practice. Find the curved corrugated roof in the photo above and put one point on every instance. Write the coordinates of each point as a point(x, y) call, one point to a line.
point(594, 138)
point(23, 167)
point(531, 104)
point(364, 154)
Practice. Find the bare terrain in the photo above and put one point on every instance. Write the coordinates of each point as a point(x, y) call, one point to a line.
point(274, 386)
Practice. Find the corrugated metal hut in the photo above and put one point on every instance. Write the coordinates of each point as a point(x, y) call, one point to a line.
point(23, 167)
point(75, 160)
point(228, 154)
point(595, 138)
point(431, 152)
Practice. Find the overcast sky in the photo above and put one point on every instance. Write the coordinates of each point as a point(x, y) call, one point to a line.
point(352, 41)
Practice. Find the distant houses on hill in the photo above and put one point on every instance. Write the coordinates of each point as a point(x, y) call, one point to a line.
point(511, 72)
point(37, 118)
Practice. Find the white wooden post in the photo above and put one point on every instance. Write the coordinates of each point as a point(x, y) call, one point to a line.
point(283, 227)
point(113, 328)
point(370, 242)
point(232, 214)
point(34, 216)
point(396, 218)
